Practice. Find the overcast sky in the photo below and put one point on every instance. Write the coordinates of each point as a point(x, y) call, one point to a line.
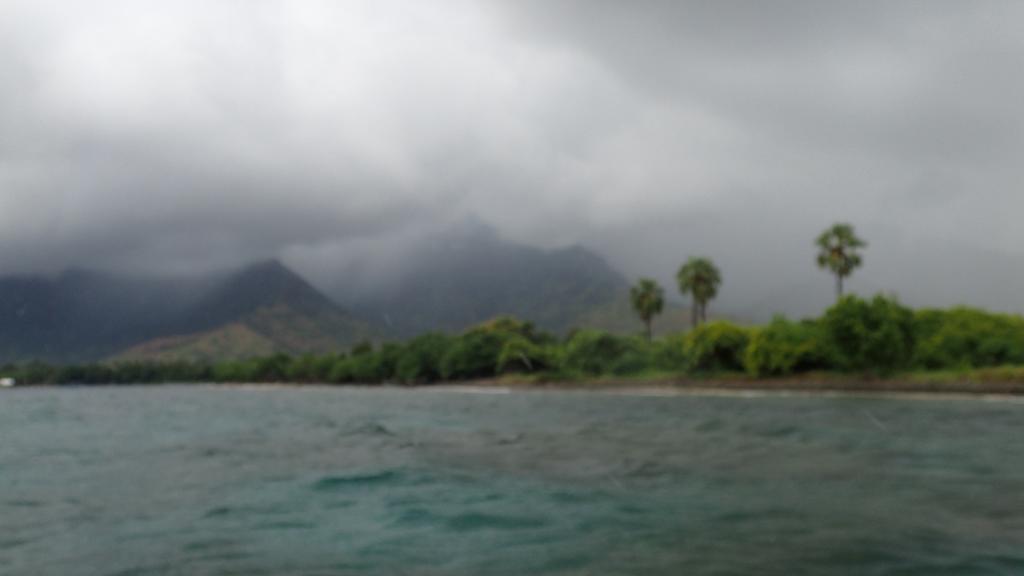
point(188, 134)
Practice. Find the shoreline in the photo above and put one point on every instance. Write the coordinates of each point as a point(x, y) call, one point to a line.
point(725, 386)
point(808, 385)
point(733, 387)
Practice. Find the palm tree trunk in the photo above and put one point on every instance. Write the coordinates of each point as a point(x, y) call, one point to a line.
point(704, 312)
point(839, 286)
point(694, 310)
point(650, 335)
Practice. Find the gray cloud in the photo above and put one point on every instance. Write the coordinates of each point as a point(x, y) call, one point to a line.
point(176, 135)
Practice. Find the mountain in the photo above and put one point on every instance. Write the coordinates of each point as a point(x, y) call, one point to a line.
point(448, 282)
point(82, 315)
point(86, 316)
point(470, 275)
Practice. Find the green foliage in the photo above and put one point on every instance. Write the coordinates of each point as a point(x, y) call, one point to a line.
point(595, 352)
point(362, 347)
point(233, 371)
point(375, 367)
point(783, 347)
point(36, 373)
point(476, 354)
point(669, 353)
point(648, 300)
point(838, 251)
point(364, 365)
point(523, 356)
point(272, 368)
point(341, 370)
point(420, 360)
point(874, 336)
point(309, 368)
point(716, 346)
point(699, 278)
point(364, 368)
point(870, 336)
point(967, 338)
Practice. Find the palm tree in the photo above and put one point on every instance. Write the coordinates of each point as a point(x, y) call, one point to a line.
point(648, 300)
point(838, 252)
point(699, 278)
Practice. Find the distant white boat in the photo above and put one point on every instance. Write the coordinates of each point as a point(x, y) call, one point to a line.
point(7, 382)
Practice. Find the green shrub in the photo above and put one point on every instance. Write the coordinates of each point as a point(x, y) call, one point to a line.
point(478, 352)
point(871, 336)
point(472, 355)
point(310, 368)
point(520, 355)
point(234, 371)
point(341, 370)
point(362, 347)
point(783, 347)
point(36, 372)
point(366, 365)
point(364, 368)
point(967, 338)
point(596, 352)
point(85, 374)
point(387, 361)
point(273, 368)
point(669, 353)
point(636, 359)
point(716, 346)
point(420, 359)
point(359, 366)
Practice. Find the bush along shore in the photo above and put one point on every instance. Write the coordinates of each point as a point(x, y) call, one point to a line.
point(870, 344)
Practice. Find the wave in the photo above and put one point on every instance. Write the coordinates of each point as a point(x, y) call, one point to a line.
point(340, 482)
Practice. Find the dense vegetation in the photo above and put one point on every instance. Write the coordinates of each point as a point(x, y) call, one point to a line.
point(876, 336)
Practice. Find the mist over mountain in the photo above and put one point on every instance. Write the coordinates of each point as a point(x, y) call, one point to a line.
point(468, 274)
point(450, 279)
point(446, 282)
point(84, 316)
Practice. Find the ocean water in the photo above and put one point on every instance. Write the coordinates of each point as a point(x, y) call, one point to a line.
point(265, 481)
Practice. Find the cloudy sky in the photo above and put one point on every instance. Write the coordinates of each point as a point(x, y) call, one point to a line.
point(189, 134)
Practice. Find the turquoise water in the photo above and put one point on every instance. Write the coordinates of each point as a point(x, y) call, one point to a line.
point(207, 481)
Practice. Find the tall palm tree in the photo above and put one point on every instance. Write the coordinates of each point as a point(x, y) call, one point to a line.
point(838, 251)
point(648, 300)
point(699, 278)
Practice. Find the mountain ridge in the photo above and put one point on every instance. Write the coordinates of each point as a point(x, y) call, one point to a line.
point(451, 283)
point(456, 280)
point(88, 316)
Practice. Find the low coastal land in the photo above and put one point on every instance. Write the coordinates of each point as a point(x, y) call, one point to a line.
point(1008, 381)
point(858, 346)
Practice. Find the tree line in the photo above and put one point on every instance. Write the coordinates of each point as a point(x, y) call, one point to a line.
point(699, 278)
point(855, 336)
